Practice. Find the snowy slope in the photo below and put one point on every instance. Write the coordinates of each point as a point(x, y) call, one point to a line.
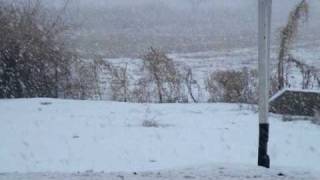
point(47, 135)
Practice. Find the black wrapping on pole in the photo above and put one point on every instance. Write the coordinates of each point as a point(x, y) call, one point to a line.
point(263, 158)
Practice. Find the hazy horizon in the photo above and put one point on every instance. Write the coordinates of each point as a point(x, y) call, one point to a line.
point(127, 27)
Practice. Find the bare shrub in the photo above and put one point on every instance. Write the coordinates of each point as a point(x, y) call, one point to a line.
point(141, 92)
point(148, 120)
point(150, 123)
point(232, 83)
point(84, 81)
point(286, 61)
point(310, 74)
point(164, 77)
point(193, 87)
point(97, 78)
point(214, 91)
point(119, 83)
point(288, 35)
point(232, 86)
point(34, 57)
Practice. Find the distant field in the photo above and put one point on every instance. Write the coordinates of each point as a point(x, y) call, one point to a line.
point(204, 63)
point(128, 29)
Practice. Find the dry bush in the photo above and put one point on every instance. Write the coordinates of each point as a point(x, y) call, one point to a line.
point(141, 92)
point(34, 57)
point(286, 61)
point(193, 87)
point(288, 35)
point(93, 78)
point(310, 74)
point(84, 80)
point(232, 86)
point(150, 123)
point(149, 120)
point(119, 83)
point(214, 91)
point(162, 76)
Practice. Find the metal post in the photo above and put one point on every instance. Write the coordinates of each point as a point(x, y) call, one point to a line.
point(265, 7)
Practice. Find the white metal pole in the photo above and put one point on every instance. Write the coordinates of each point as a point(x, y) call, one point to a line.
point(265, 9)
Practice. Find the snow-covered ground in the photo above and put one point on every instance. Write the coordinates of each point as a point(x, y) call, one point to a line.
point(213, 140)
point(205, 172)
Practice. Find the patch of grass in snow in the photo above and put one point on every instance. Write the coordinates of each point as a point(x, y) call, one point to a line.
point(149, 120)
point(150, 123)
point(45, 103)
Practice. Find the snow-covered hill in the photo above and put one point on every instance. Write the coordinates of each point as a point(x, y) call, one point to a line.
point(48, 135)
